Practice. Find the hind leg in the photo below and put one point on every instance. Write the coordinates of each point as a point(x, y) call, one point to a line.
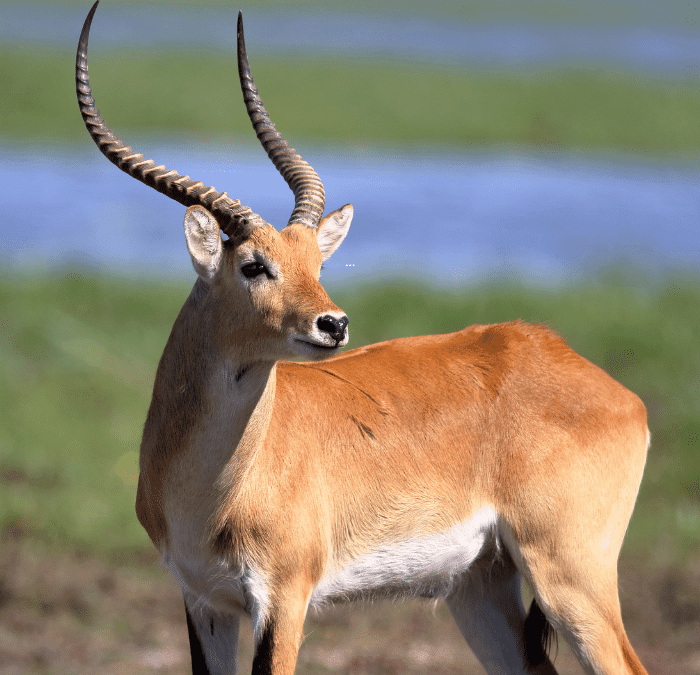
point(585, 610)
point(571, 564)
point(489, 612)
point(572, 569)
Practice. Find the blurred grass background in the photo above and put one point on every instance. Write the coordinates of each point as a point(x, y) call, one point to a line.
point(78, 357)
point(355, 101)
point(78, 350)
point(366, 99)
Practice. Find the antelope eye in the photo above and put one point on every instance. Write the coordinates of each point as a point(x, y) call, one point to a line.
point(252, 270)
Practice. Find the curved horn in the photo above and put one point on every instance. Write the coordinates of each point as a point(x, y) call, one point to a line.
point(235, 220)
point(309, 196)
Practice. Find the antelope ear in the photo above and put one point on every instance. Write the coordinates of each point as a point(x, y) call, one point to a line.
point(332, 230)
point(203, 242)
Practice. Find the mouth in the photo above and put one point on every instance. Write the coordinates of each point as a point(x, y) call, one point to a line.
point(317, 345)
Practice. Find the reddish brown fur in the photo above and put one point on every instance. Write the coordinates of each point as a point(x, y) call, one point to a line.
point(297, 469)
point(444, 465)
point(408, 437)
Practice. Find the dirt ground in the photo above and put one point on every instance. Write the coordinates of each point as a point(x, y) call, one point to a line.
point(70, 613)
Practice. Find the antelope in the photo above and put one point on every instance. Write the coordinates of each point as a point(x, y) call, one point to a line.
point(444, 466)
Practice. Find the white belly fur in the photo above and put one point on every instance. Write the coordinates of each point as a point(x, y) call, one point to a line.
point(426, 566)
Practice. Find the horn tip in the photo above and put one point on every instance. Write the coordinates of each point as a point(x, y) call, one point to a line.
point(85, 33)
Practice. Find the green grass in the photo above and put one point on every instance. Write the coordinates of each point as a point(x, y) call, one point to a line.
point(78, 355)
point(354, 101)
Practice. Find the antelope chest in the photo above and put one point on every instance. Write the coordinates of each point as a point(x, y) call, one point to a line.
point(221, 445)
point(212, 581)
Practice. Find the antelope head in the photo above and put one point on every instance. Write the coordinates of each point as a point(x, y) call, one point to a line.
point(258, 289)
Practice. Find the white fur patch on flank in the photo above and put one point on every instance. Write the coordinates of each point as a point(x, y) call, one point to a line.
point(425, 566)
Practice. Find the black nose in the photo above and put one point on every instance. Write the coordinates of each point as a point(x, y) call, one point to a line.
point(333, 326)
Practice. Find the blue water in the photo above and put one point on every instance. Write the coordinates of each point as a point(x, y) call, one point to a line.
point(447, 217)
point(638, 43)
point(450, 218)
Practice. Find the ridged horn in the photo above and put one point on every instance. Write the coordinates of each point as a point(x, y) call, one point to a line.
point(235, 220)
point(309, 195)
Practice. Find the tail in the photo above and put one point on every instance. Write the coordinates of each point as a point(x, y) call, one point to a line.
point(539, 636)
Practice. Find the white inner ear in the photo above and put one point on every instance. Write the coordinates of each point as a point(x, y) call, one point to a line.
point(332, 230)
point(203, 242)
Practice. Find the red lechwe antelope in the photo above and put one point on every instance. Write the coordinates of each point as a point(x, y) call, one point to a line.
point(446, 466)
